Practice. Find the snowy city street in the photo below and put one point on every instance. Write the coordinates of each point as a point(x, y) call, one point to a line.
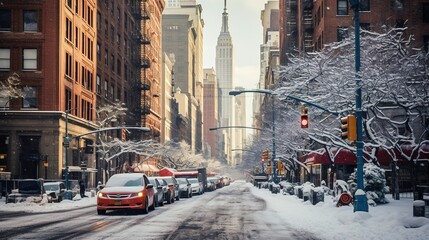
point(238, 211)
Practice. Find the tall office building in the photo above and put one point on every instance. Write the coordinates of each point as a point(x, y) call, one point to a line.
point(210, 116)
point(183, 36)
point(224, 70)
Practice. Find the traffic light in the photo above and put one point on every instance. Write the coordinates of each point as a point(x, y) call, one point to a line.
point(304, 117)
point(124, 135)
point(348, 128)
point(265, 154)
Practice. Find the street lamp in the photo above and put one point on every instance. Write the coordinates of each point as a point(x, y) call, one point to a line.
point(237, 92)
point(361, 202)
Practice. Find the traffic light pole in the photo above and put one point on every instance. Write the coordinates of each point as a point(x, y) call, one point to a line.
point(361, 202)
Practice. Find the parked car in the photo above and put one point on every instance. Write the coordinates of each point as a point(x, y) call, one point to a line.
point(159, 191)
point(126, 191)
point(55, 190)
point(168, 190)
point(172, 182)
point(184, 187)
point(211, 183)
point(31, 190)
point(196, 186)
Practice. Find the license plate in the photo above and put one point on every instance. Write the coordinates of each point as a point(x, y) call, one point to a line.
point(117, 202)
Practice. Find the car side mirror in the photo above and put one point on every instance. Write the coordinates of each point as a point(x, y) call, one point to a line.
point(149, 186)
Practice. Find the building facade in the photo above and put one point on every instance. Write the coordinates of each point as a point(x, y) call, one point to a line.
point(73, 56)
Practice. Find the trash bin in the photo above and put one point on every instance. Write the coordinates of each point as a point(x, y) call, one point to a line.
point(418, 208)
point(421, 194)
point(316, 196)
point(300, 193)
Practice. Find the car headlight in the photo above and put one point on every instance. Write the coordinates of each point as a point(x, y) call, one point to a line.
point(139, 194)
point(103, 195)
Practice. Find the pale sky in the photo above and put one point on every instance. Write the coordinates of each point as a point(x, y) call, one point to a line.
point(245, 28)
point(246, 31)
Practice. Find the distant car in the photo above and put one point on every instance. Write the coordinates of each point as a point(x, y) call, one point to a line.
point(185, 187)
point(31, 190)
point(55, 190)
point(172, 182)
point(126, 191)
point(196, 186)
point(159, 191)
point(211, 183)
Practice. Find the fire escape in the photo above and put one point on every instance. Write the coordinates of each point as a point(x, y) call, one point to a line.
point(143, 84)
point(291, 26)
point(307, 17)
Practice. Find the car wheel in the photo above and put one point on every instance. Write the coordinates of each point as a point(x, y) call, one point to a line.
point(146, 206)
point(178, 197)
point(101, 212)
point(156, 202)
point(152, 207)
point(169, 200)
point(162, 202)
point(60, 198)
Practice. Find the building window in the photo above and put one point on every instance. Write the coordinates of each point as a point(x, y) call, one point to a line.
point(112, 62)
point(4, 102)
point(364, 5)
point(98, 52)
point(4, 59)
point(76, 71)
point(98, 84)
point(342, 7)
point(342, 33)
point(30, 21)
point(425, 13)
point(69, 30)
point(106, 57)
point(106, 91)
point(76, 38)
point(29, 59)
point(112, 92)
point(118, 67)
point(76, 9)
point(30, 97)
point(69, 65)
point(5, 20)
point(70, 3)
point(99, 21)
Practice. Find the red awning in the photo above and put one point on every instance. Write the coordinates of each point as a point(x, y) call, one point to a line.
point(384, 157)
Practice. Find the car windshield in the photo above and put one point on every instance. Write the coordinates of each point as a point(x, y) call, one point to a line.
point(51, 187)
point(125, 181)
point(168, 180)
point(181, 181)
point(193, 180)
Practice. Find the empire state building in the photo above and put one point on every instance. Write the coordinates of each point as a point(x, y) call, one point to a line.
point(224, 70)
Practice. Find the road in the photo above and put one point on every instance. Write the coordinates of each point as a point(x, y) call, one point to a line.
point(231, 212)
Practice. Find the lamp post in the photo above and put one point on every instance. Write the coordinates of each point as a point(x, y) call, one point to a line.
point(235, 93)
point(361, 203)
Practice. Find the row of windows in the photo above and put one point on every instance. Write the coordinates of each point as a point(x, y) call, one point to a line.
point(28, 101)
point(86, 75)
point(343, 6)
point(87, 42)
point(109, 91)
point(82, 108)
point(30, 21)
point(29, 59)
point(82, 9)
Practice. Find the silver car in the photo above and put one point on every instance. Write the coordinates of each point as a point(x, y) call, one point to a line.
point(55, 190)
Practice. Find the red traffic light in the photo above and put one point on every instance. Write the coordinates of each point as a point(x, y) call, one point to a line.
point(304, 121)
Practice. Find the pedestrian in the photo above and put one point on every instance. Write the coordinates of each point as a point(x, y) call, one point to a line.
point(82, 188)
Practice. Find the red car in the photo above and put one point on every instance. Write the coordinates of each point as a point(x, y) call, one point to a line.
point(126, 191)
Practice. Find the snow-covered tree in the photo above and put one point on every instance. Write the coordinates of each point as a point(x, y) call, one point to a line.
point(395, 85)
point(374, 184)
point(10, 88)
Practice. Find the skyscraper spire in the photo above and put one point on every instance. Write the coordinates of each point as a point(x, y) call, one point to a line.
point(225, 27)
